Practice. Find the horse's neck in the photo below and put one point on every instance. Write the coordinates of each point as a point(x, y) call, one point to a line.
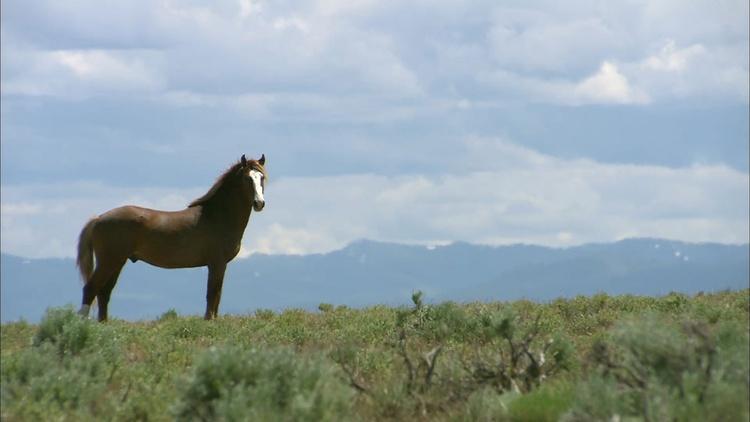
point(232, 208)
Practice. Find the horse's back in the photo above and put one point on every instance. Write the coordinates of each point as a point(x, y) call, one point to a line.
point(151, 219)
point(128, 214)
point(162, 238)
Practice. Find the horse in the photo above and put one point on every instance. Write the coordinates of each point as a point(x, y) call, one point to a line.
point(206, 233)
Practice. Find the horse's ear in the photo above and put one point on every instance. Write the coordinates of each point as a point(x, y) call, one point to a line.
point(262, 160)
point(243, 160)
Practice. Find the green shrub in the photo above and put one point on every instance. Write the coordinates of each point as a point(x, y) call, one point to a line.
point(659, 369)
point(67, 330)
point(191, 328)
point(448, 321)
point(597, 399)
point(37, 386)
point(624, 357)
point(519, 358)
point(674, 302)
point(547, 403)
point(486, 405)
point(65, 372)
point(325, 307)
point(168, 315)
point(233, 384)
point(264, 314)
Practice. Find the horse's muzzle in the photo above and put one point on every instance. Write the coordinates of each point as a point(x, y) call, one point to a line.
point(259, 205)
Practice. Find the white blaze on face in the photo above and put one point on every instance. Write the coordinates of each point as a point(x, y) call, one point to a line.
point(257, 178)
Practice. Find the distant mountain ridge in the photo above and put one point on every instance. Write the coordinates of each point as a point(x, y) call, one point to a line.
point(368, 272)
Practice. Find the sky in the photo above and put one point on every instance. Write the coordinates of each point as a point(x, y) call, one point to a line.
point(424, 122)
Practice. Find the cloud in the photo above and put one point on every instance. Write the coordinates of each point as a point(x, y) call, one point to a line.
point(373, 52)
point(694, 71)
point(277, 239)
point(77, 74)
point(20, 208)
point(228, 49)
point(515, 195)
point(44, 220)
point(383, 122)
point(540, 199)
point(670, 59)
point(605, 86)
point(608, 85)
point(535, 40)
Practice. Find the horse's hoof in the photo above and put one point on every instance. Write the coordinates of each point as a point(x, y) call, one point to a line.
point(84, 311)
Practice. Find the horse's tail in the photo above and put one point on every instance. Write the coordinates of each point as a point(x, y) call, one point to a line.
point(85, 259)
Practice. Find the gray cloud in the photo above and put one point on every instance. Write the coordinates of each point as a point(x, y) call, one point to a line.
point(524, 197)
point(528, 197)
point(372, 50)
point(630, 114)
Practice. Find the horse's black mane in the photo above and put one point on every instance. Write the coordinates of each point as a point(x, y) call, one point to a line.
point(228, 174)
point(232, 171)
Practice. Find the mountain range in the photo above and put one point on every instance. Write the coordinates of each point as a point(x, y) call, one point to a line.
point(367, 273)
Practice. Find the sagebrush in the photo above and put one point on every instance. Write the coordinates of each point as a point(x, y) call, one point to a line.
point(585, 358)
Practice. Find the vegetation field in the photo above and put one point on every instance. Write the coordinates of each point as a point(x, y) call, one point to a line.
point(599, 358)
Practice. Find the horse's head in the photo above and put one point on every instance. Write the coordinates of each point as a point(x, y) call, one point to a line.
point(255, 173)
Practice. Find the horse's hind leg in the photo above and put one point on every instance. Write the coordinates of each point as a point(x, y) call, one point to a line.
point(102, 298)
point(104, 269)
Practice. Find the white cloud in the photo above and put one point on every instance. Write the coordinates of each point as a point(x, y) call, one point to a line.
point(353, 68)
point(534, 40)
point(565, 237)
point(515, 195)
point(608, 85)
point(291, 23)
point(278, 239)
point(539, 52)
point(20, 208)
point(249, 8)
point(694, 71)
point(85, 73)
point(342, 8)
point(44, 220)
point(671, 59)
point(550, 201)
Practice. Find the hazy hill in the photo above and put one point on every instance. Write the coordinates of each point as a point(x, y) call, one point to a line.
point(367, 272)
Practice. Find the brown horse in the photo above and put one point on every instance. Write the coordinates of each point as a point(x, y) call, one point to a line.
point(207, 233)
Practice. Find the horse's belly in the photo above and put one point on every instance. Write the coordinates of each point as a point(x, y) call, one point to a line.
point(170, 254)
point(169, 263)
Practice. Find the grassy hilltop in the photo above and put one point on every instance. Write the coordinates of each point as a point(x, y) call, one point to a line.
point(588, 358)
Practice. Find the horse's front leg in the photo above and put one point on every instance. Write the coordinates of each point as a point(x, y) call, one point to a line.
point(213, 290)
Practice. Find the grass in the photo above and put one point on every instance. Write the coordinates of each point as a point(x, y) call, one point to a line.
point(587, 358)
